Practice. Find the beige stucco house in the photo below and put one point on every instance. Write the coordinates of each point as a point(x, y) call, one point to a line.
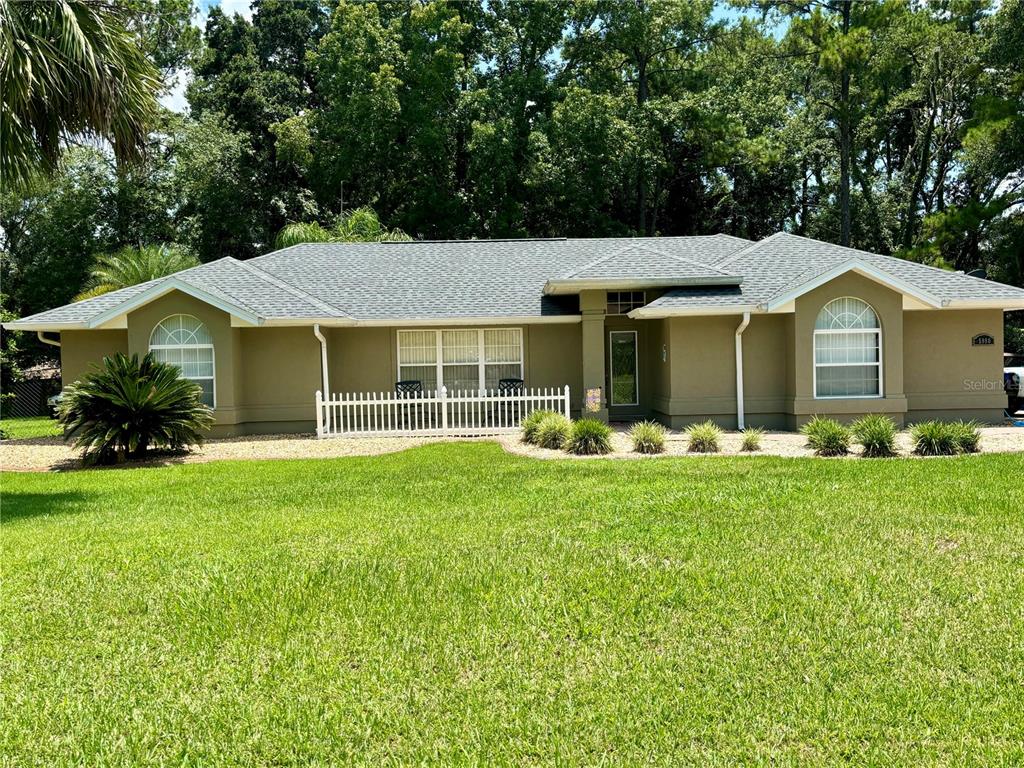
point(675, 328)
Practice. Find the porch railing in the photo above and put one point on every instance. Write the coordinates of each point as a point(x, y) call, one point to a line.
point(440, 413)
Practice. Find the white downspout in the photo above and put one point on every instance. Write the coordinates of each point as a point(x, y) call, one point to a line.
point(42, 338)
point(323, 359)
point(740, 420)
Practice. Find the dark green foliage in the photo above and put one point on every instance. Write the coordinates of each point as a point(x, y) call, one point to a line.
point(648, 437)
point(532, 422)
point(553, 432)
point(119, 410)
point(877, 433)
point(590, 437)
point(705, 437)
point(826, 436)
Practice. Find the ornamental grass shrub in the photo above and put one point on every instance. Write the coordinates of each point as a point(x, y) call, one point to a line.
point(751, 439)
point(826, 436)
point(553, 432)
point(939, 438)
point(124, 407)
point(705, 437)
point(590, 437)
point(877, 434)
point(648, 437)
point(532, 422)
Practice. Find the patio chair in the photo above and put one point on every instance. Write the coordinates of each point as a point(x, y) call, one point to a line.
point(409, 387)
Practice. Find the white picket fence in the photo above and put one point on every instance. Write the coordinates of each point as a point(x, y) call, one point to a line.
point(440, 413)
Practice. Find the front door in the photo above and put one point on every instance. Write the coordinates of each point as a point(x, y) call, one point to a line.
point(623, 372)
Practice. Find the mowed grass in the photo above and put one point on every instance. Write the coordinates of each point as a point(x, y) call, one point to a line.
point(30, 426)
point(454, 604)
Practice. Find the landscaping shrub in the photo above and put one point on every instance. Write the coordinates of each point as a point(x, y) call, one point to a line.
point(704, 437)
point(532, 422)
point(826, 436)
point(648, 437)
point(752, 439)
point(590, 437)
point(122, 408)
point(968, 436)
point(553, 431)
point(937, 438)
point(877, 433)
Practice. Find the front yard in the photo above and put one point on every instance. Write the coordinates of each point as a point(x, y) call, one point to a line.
point(457, 604)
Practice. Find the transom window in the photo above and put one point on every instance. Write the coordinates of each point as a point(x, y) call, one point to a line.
point(183, 341)
point(463, 359)
point(624, 302)
point(847, 350)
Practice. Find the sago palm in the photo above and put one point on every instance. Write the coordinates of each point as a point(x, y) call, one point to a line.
point(69, 68)
point(360, 225)
point(131, 266)
point(122, 408)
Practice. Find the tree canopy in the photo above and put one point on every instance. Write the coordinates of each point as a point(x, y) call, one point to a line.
point(885, 125)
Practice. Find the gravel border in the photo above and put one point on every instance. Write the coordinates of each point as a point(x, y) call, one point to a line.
point(51, 454)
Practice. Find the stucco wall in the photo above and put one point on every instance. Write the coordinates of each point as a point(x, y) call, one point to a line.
point(280, 371)
point(888, 305)
point(226, 348)
point(944, 375)
point(79, 350)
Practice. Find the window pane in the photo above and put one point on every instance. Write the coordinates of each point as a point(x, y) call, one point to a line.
point(425, 374)
point(462, 377)
point(460, 346)
point(847, 381)
point(846, 313)
point(417, 347)
point(623, 373)
point(494, 373)
point(846, 347)
point(503, 345)
point(207, 387)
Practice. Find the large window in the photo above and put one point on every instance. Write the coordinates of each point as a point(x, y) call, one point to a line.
point(462, 359)
point(847, 350)
point(184, 341)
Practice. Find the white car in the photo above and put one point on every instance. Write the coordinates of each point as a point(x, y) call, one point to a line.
point(1013, 374)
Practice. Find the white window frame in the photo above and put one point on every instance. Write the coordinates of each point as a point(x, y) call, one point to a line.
point(619, 302)
point(839, 331)
point(636, 369)
point(213, 352)
point(481, 356)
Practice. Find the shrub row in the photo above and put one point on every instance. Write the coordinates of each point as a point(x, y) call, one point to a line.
point(554, 431)
point(877, 434)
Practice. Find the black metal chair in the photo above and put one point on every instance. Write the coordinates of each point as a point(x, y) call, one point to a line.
point(507, 386)
point(409, 387)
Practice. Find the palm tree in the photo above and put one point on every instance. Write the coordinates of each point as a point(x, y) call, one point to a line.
point(360, 225)
point(131, 266)
point(69, 68)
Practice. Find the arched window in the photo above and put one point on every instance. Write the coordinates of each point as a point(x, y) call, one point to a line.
point(182, 340)
point(847, 350)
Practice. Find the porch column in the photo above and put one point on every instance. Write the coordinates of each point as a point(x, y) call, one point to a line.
point(592, 307)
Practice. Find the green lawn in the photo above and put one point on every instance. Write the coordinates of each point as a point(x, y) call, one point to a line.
point(30, 426)
point(454, 604)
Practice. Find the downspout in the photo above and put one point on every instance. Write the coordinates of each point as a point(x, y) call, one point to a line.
point(42, 338)
point(323, 359)
point(740, 420)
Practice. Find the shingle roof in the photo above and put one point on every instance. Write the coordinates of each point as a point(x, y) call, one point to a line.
point(401, 282)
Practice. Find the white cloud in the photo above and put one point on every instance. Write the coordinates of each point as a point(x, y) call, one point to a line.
point(174, 99)
point(241, 7)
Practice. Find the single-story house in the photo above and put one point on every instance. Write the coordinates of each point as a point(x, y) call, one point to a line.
point(674, 328)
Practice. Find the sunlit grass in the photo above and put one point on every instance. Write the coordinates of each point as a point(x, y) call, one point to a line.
point(455, 604)
point(24, 427)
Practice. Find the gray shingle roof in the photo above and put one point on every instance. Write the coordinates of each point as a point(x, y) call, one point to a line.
point(506, 278)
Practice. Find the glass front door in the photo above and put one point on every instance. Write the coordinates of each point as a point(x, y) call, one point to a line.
point(622, 368)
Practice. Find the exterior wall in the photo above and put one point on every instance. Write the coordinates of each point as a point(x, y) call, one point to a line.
point(698, 379)
point(888, 305)
point(79, 350)
point(280, 372)
point(947, 378)
point(228, 410)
